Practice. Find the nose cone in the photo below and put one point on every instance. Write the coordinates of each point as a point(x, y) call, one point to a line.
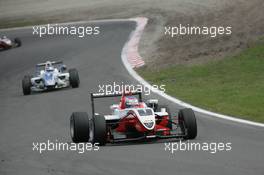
point(49, 79)
point(149, 124)
point(148, 121)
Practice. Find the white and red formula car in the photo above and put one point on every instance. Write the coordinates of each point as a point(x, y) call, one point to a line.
point(131, 120)
point(6, 43)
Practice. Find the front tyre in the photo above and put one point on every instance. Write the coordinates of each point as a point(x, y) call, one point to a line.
point(187, 122)
point(74, 78)
point(26, 85)
point(18, 42)
point(79, 127)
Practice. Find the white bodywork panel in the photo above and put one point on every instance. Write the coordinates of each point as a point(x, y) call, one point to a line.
point(148, 121)
point(6, 41)
point(60, 83)
point(111, 117)
point(161, 113)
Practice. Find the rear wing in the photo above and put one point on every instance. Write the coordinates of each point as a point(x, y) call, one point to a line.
point(52, 62)
point(102, 95)
point(41, 66)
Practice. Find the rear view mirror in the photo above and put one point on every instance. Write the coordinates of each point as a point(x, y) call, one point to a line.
point(63, 67)
point(152, 101)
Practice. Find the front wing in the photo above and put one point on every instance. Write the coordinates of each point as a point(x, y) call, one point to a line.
point(175, 133)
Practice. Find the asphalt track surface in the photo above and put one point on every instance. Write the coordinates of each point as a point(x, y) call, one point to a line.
point(45, 116)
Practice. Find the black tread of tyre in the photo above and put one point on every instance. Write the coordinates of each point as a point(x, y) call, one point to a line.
point(74, 78)
point(18, 42)
point(99, 130)
point(26, 85)
point(188, 117)
point(80, 123)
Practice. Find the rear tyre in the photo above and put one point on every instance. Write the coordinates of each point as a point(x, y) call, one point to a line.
point(18, 42)
point(98, 130)
point(187, 123)
point(26, 85)
point(74, 78)
point(79, 127)
point(159, 107)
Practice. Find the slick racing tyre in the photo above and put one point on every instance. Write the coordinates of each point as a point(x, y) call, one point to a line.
point(98, 130)
point(74, 78)
point(26, 85)
point(79, 127)
point(17, 42)
point(187, 122)
point(159, 107)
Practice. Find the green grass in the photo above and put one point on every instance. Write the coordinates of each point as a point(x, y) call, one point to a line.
point(232, 86)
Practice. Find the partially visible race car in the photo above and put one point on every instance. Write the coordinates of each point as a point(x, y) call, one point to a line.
point(49, 76)
point(131, 120)
point(6, 43)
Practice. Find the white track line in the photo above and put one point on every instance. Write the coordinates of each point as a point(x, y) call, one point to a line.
point(127, 54)
point(141, 22)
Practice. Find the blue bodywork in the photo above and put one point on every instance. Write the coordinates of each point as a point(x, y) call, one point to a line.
point(49, 79)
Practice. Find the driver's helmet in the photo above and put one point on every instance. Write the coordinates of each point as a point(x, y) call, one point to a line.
point(49, 67)
point(131, 101)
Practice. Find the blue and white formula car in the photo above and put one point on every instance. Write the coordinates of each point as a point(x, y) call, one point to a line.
point(49, 76)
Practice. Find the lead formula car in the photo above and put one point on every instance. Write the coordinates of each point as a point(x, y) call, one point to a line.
point(6, 43)
point(50, 76)
point(132, 120)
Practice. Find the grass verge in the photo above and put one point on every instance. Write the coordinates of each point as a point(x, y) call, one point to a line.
point(232, 86)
